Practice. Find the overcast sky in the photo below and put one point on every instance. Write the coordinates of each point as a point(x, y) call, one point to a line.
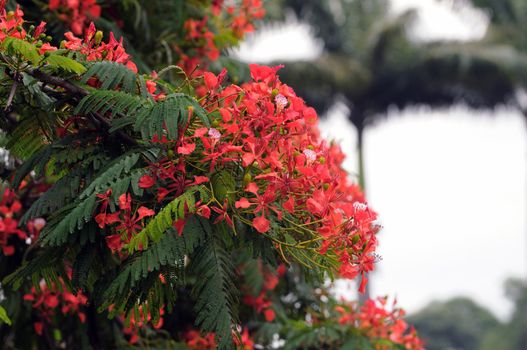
point(450, 185)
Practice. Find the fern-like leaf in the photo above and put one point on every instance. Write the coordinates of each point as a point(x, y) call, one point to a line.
point(36, 162)
point(54, 198)
point(172, 113)
point(139, 275)
point(215, 292)
point(164, 219)
point(77, 215)
point(112, 75)
point(118, 102)
point(112, 172)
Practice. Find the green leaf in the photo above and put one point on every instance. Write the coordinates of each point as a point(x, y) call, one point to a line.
point(22, 47)
point(3, 316)
point(65, 63)
point(118, 167)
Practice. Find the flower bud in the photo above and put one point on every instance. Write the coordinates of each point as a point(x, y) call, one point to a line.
point(247, 178)
point(98, 37)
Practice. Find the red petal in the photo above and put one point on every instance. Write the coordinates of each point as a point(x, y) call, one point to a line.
point(211, 81)
point(289, 205)
point(179, 225)
point(261, 224)
point(204, 211)
point(38, 327)
point(51, 301)
point(200, 132)
point(8, 250)
point(186, 149)
point(243, 203)
point(114, 242)
point(112, 218)
point(146, 181)
point(200, 179)
point(144, 211)
point(363, 283)
point(252, 187)
point(125, 201)
point(269, 315)
point(247, 159)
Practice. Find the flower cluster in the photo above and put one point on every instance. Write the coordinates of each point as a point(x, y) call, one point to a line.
point(201, 44)
point(260, 300)
point(95, 49)
point(268, 167)
point(11, 23)
point(48, 299)
point(137, 322)
point(10, 210)
point(128, 222)
point(76, 13)
point(195, 341)
point(377, 321)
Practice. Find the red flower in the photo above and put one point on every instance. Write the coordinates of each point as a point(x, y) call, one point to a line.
point(146, 181)
point(264, 73)
point(269, 315)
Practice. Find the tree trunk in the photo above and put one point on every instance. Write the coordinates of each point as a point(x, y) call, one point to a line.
point(362, 184)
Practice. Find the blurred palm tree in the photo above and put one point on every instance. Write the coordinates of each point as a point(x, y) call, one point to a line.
point(371, 64)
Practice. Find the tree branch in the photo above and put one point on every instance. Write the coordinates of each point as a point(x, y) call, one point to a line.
point(79, 92)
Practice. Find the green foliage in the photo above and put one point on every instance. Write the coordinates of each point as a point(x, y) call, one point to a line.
point(148, 118)
point(116, 102)
point(165, 218)
point(45, 265)
point(56, 232)
point(112, 75)
point(458, 323)
point(214, 290)
point(62, 191)
point(112, 172)
point(510, 335)
point(3, 316)
point(27, 138)
point(19, 47)
point(66, 63)
point(167, 256)
point(172, 113)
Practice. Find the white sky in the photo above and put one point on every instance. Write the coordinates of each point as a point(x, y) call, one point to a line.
point(450, 185)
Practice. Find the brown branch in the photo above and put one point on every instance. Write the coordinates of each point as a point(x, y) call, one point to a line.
point(11, 94)
point(79, 92)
